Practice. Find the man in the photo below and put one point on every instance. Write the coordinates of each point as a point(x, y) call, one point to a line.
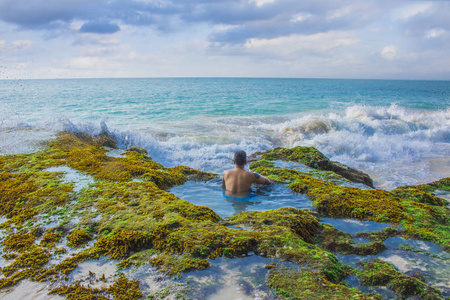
point(237, 181)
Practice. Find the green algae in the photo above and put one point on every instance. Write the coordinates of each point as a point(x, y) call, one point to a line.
point(420, 220)
point(314, 159)
point(290, 234)
point(379, 273)
point(141, 223)
point(306, 284)
point(418, 194)
point(336, 241)
point(122, 288)
point(78, 238)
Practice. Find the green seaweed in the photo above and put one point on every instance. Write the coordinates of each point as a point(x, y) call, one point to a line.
point(306, 284)
point(379, 273)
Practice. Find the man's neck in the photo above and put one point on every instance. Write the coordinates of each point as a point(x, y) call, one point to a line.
point(240, 167)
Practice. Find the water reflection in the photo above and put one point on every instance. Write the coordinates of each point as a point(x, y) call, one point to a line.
point(423, 257)
point(353, 226)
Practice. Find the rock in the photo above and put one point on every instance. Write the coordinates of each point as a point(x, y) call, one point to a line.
point(138, 150)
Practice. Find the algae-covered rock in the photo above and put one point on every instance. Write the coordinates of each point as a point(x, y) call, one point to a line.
point(423, 193)
point(379, 273)
point(306, 284)
point(315, 159)
point(336, 241)
point(138, 150)
point(290, 234)
point(133, 218)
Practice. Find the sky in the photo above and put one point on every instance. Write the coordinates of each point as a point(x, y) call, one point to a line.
point(379, 39)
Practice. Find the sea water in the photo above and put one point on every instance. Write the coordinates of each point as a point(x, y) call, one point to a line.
point(397, 131)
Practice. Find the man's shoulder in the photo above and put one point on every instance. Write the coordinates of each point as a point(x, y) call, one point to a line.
point(227, 171)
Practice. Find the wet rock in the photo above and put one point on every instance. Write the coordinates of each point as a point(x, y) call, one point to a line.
point(315, 159)
point(379, 273)
point(138, 150)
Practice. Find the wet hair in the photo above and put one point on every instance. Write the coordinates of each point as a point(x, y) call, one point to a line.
point(240, 158)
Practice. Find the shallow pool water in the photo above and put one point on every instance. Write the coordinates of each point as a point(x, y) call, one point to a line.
point(423, 257)
point(354, 226)
point(264, 198)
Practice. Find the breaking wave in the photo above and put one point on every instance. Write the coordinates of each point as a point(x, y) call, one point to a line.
point(395, 145)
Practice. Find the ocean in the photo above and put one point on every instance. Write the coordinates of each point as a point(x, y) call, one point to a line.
point(396, 131)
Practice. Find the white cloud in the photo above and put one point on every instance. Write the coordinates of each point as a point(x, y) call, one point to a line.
point(300, 17)
point(434, 33)
point(389, 52)
point(316, 43)
point(85, 62)
point(409, 11)
point(341, 12)
point(261, 2)
point(18, 45)
point(22, 44)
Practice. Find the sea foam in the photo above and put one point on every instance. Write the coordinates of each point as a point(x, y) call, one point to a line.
point(395, 145)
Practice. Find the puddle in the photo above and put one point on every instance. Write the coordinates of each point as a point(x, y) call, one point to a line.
point(426, 248)
point(435, 270)
point(237, 278)
point(265, 198)
point(353, 226)
point(354, 282)
point(79, 180)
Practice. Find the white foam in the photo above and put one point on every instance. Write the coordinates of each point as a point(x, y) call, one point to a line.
point(395, 145)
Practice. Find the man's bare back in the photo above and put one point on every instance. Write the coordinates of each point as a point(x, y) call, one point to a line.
point(237, 181)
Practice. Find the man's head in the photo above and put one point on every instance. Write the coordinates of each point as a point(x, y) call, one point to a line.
point(240, 158)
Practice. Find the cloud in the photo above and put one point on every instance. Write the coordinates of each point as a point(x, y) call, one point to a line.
point(254, 18)
point(434, 33)
point(51, 14)
point(389, 52)
point(99, 27)
point(320, 43)
point(15, 46)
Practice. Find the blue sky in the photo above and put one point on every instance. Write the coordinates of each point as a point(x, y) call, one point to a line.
point(225, 38)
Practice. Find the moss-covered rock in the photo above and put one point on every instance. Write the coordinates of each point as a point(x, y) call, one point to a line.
point(336, 241)
point(315, 159)
point(306, 284)
point(133, 218)
point(416, 194)
point(379, 273)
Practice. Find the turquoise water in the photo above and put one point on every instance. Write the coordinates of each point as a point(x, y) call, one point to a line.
point(263, 198)
point(397, 131)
